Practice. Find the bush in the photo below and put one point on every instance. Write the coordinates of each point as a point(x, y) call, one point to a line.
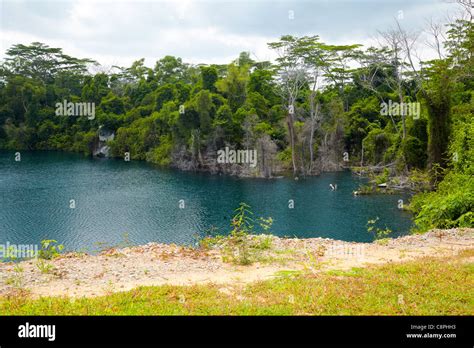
point(383, 177)
point(241, 246)
point(377, 232)
point(50, 249)
point(450, 206)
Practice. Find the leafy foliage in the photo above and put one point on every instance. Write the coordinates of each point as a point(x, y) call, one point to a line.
point(50, 249)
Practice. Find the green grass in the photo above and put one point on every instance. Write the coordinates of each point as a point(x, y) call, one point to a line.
point(353, 272)
point(427, 287)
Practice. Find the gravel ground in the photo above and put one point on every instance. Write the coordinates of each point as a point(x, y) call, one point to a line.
point(78, 275)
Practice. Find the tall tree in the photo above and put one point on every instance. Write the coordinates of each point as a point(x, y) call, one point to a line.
point(39, 61)
point(291, 73)
point(315, 57)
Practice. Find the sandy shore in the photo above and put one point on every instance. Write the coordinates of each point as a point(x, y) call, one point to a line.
point(78, 275)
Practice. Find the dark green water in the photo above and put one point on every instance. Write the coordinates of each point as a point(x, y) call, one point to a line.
point(114, 197)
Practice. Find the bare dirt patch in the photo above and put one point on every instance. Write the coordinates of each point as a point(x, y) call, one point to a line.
point(78, 275)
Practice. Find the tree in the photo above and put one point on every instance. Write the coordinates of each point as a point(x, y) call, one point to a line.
point(292, 78)
point(315, 57)
point(336, 66)
point(261, 81)
point(234, 85)
point(39, 61)
point(170, 70)
point(203, 106)
point(209, 77)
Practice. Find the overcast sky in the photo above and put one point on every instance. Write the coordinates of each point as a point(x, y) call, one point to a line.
point(200, 31)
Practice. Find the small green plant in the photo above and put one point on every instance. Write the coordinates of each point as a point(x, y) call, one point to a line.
point(16, 280)
point(263, 242)
point(383, 241)
point(288, 273)
point(265, 224)
point(377, 232)
point(383, 177)
point(109, 288)
point(241, 246)
point(210, 239)
point(242, 221)
point(209, 242)
point(44, 267)
point(9, 281)
point(242, 224)
point(366, 190)
point(313, 264)
point(50, 249)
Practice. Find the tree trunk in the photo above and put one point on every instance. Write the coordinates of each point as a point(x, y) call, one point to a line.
point(292, 142)
point(404, 129)
point(313, 116)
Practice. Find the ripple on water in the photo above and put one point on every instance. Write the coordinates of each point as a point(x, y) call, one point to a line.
point(114, 197)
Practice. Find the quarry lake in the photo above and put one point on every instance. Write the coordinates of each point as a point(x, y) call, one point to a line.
point(114, 199)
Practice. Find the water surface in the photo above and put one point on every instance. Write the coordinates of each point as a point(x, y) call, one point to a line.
point(114, 198)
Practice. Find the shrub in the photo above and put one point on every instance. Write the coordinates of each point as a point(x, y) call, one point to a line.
point(377, 232)
point(241, 246)
point(450, 206)
point(50, 249)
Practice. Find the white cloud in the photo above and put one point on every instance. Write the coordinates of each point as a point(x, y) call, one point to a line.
point(119, 32)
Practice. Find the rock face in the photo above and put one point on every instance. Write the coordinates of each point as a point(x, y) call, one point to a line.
point(265, 166)
point(105, 134)
point(102, 149)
